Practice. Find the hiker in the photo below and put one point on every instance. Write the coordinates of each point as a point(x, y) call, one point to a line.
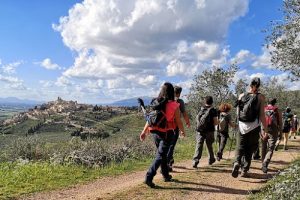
point(206, 120)
point(294, 129)
point(274, 123)
point(287, 125)
point(177, 92)
point(162, 135)
point(223, 128)
point(250, 113)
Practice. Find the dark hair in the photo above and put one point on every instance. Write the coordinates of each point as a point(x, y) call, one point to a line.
point(166, 92)
point(225, 107)
point(272, 101)
point(209, 100)
point(255, 82)
point(177, 89)
point(288, 109)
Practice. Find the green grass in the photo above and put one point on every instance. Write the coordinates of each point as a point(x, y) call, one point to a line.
point(286, 185)
point(19, 179)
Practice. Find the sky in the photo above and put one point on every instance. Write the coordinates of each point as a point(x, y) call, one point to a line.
point(101, 51)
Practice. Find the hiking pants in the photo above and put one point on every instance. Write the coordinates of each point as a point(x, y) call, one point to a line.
point(209, 140)
point(170, 155)
point(162, 142)
point(268, 147)
point(222, 140)
point(246, 145)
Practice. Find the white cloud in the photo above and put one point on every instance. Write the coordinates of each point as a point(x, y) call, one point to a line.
point(13, 82)
point(147, 39)
point(11, 67)
point(264, 60)
point(63, 82)
point(242, 56)
point(47, 64)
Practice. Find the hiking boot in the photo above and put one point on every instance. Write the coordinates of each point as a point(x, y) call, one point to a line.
point(219, 156)
point(256, 157)
point(210, 162)
point(195, 164)
point(264, 168)
point(235, 170)
point(295, 137)
point(149, 184)
point(276, 148)
point(168, 179)
point(244, 174)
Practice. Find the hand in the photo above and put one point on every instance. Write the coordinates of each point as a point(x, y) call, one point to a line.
point(142, 136)
point(182, 134)
point(265, 136)
point(188, 124)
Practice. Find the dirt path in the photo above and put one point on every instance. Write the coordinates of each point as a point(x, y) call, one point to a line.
point(207, 182)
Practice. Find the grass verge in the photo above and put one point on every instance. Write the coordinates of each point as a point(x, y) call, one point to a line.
point(286, 185)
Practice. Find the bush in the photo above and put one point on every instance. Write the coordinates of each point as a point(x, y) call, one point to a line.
point(90, 153)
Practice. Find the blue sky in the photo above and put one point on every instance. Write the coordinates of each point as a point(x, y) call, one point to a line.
point(100, 51)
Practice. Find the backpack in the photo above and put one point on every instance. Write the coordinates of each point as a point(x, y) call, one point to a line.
point(223, 122)
point(271, 115)
point(203, 119)
point(248, 110)
point(155, 115)
point(286, 121)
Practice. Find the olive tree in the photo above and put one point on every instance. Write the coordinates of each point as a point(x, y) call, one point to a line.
point(216, 82)
point(284, 39)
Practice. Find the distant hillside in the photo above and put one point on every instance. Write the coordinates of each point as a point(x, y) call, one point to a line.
point(131, 101)
point(14, 100)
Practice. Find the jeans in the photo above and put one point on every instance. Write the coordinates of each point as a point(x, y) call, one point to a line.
point(162, 142)
point(170, 155)
point(268, 147)
point(246, 145)
point(222, 140)
point(209, 139)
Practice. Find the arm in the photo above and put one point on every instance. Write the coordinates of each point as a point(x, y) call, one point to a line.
point(216, 121)
point(262, 113)
point(178, 121)
point(186, 119)
point(144, 132)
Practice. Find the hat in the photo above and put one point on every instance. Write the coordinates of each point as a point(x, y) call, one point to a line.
point(255, 82)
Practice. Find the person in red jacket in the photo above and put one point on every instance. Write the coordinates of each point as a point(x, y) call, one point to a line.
point(274, 123)
point(163, 135)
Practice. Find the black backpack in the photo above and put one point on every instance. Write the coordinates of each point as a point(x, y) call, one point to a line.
point(203, 119)
point(248, 109)
point(287, 120)
point(155, 115)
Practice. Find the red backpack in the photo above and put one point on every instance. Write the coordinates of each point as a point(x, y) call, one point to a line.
point(271, 114)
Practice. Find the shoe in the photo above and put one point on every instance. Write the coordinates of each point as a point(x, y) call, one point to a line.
point(235, 170)
point(210, 162)
point(168, 179)
point(244, 174)
point(295, 137)
point(219, 156)
point(264, 168)
point(285, 148)
point(149, 184)
point(256, 158)
point(276, 148)
point(195, 164)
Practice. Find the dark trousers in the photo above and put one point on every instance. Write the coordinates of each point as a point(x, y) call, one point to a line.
point(162, 142)
point(246, 145)
point(170, 155)
point(222, 140)
point(209, 139)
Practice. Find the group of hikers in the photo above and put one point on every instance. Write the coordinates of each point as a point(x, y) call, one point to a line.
point(256, 121)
